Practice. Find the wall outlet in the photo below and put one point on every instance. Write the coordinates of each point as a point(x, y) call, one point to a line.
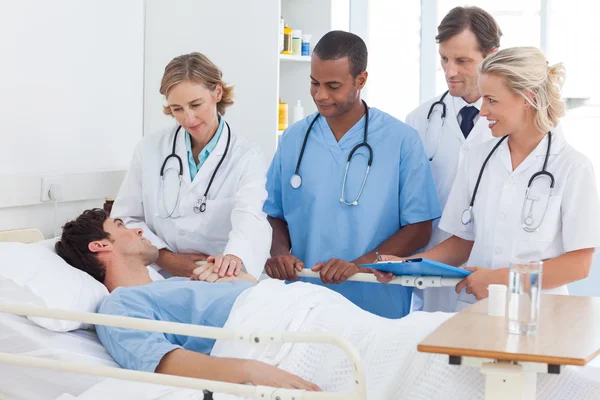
point(48, 182)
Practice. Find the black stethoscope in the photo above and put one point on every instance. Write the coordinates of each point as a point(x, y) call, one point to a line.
point(441, 103)
point(200, 205)
point(296, 180)
point(528, 222)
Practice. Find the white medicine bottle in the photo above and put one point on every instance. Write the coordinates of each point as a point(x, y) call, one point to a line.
point(298, 112)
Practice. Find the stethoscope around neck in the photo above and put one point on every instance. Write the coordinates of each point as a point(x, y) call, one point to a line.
point(200, 205)
point(528, 222)
point(296, 179)
point(432, 108)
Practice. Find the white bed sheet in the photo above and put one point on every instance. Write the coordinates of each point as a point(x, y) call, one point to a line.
point(21, 336)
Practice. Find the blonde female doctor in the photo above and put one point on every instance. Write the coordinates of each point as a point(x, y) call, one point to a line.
point(526, 195)
point(197, 190)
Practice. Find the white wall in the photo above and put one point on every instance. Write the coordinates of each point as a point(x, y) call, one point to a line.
point(240, 37)
point(71, 80)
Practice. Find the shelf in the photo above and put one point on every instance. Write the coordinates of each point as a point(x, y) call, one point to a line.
point(291, 58)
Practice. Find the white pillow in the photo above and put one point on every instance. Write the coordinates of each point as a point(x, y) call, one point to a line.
point(35, 274)
point(57, 284)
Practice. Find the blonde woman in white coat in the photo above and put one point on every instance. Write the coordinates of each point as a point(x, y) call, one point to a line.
point(553, 218)
point(197, 190)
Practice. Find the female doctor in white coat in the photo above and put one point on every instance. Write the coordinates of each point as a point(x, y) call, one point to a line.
point(197, 190)
point(554, 217)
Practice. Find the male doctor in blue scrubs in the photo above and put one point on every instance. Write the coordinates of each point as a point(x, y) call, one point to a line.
point(323, 221)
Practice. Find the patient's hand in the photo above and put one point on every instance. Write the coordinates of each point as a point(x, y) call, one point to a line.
point(206, 273)
point(243, 276)
point(267, 375)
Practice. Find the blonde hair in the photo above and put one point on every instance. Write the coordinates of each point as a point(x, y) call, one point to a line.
point(526, 72)
point(198, 69)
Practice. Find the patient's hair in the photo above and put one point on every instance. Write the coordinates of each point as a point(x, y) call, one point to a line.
point(526, 72)
point(480, 22)
point(336, 45)
point(198, 69)
point(75, 239)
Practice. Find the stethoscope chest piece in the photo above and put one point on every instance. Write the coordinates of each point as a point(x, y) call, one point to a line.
point(200, 205)
point(467, 216)
point(296, 181)
point(529, 221)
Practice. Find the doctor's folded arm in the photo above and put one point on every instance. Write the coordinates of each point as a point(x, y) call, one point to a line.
point(450, 124)
point(527, 195)
point(197, 189)
point(346, 182)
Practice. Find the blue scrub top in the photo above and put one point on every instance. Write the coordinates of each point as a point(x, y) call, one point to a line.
point(399, 191)
point(174, 300)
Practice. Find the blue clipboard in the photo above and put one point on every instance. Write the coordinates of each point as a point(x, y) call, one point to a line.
point(419, 267)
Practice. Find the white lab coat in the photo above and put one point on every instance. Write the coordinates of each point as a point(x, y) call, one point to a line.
point(233, 222)
point(570, 223)
point(452, 147)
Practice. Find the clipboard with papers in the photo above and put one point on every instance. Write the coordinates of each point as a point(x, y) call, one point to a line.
point(418, 267)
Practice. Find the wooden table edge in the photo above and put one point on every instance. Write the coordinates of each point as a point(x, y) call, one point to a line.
point(450, 351)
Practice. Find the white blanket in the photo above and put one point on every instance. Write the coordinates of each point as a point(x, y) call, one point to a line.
point(388, 348)
point(394, 369)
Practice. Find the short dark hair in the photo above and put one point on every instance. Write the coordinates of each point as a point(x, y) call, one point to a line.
point(480, 22)
point(339, 44)
point(73, 245)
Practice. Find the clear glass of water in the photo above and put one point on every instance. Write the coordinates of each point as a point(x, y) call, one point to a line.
point(524, 287)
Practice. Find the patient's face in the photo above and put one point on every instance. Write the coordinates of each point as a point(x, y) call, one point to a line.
point(130, 243)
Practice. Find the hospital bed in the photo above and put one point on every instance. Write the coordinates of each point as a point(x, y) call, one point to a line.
point(63, 354)
point(419, 282)
point(99, 364)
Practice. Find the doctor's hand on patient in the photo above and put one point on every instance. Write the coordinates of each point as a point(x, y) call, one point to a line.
point(178, 264)
point(477, 283)
point(226, 265)
point(206, 272)
point(284, 267)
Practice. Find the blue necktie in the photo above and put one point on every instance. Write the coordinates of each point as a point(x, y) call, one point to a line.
point(467, 113)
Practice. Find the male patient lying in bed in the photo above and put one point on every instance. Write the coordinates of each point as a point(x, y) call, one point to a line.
point(117, 256)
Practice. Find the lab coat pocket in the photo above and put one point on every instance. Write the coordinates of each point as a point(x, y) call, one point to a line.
point(544, 217)
point(217, 221)
point(532, 244)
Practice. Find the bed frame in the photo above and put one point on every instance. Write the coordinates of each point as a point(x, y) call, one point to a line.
point(254, 338)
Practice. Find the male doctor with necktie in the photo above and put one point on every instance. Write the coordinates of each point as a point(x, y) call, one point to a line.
point(449, 124)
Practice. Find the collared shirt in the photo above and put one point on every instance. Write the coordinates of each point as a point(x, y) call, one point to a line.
point(460, 103)
point(194, 168)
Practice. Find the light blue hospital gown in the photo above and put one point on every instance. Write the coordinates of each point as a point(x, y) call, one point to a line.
point(172, 300)
point(399, 191)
